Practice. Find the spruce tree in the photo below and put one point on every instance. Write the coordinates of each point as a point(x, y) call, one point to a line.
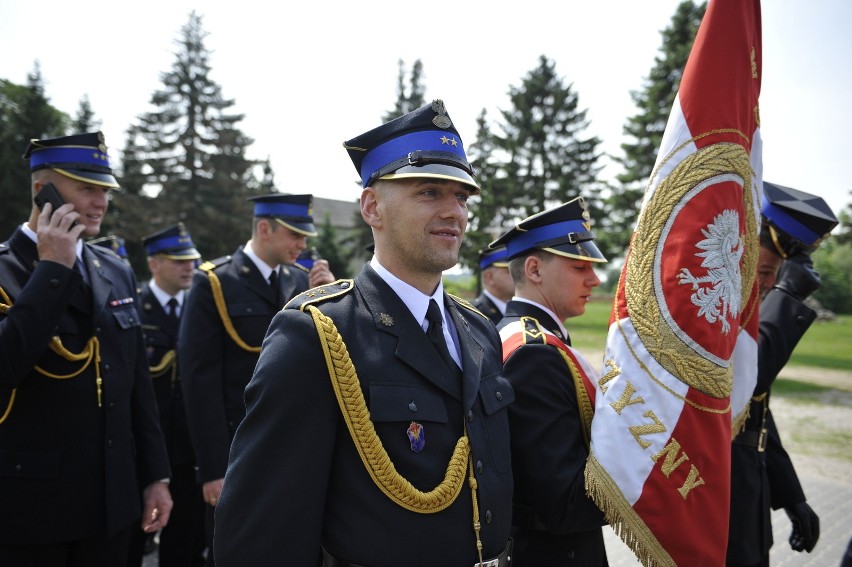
point(407, 98)
point(25, 113)
point(186, 160)
point(645, 129)
point(84, 120)
point(548, 159)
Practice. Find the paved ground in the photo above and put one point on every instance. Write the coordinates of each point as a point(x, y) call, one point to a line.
point(817, 432)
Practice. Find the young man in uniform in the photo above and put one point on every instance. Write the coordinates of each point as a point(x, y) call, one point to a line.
point(376, 431)
point(233, 300)
point(551, 258)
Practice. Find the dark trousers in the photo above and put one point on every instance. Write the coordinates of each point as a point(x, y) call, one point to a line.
point(96, 551)
point(182, 540)
point(208, 533)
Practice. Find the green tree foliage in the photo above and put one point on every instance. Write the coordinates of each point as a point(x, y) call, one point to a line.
point(190, 155)
point(833, 261)
point(84, 120)
point(645, 129)
point(25, 113)
point(331, 248)
point(411, 98)
point(547, 159)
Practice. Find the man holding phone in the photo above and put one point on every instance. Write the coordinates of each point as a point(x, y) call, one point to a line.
point(78, 420)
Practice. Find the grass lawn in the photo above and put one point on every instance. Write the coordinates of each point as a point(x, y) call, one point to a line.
point(825, 345)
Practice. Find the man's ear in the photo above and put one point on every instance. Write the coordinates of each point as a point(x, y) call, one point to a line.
point(370, 210)
point(532, 265)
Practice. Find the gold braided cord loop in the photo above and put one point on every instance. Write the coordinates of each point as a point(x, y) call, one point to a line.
point(166, 363)
point(219, 298)
point(584, 404)
point(347, 388)
point(92, 352)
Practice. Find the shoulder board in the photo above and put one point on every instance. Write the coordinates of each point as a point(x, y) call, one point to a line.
point(4, 247)
point(104, 250)
point(320, 293)
point(213, 264)
point(467, 305)
point(300, 267)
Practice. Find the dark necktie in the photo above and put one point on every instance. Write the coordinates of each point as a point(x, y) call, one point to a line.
point(173, 305)
point(79, 267)
point(436, 334)
point(273, 283)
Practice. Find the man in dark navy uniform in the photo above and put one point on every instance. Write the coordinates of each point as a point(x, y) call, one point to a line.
point(78, 421)
point(497, 284)
point(226, 316)
point(762, 475)
point(376, 431)
point(172, 258)
point(551, 256)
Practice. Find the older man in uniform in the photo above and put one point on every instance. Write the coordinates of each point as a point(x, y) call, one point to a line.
point(376, 431)
point(172, 258)
point(78, 420)
point(762, 474)
point(232, 302)
point(497, 284)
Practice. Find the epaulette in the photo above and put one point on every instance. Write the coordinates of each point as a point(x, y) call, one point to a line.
point(4, 247)
point(109, 251)
point(320, 293)
point(213, 264)
point(301, 267)
point(467, 305)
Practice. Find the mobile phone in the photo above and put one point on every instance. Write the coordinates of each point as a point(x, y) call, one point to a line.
point(49, 194)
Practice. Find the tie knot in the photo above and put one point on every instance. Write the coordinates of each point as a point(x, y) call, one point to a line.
point(433, 313)
point(173, 305)
point(273, 277)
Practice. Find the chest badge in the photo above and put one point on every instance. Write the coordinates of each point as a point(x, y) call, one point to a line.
point(416, 436)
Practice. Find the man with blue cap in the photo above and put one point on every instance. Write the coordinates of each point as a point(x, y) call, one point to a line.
point(79, 433)
point(376, 417)
point(552, 257)
point(225, 318)
point(497, 284)
point(172, 258)
point(794, 224)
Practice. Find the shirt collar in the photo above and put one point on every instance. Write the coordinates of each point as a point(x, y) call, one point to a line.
point(164, 297)
point(498, 303)
point(265, 269)
point(553, 316)
point(416, 301)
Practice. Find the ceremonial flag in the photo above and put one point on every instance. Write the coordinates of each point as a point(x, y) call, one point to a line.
point(681, 353)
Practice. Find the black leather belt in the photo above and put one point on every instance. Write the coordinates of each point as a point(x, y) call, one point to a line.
point(749, 438)
point(502, 560)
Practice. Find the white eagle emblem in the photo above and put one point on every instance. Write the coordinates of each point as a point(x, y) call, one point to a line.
point(722, 249)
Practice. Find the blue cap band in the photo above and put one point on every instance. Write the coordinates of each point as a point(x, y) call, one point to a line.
point(790, 226)
point(280, 210)
point(168, 243)
point(493, 257)
point(47, 157)
point(531, 239)
point(392, 150)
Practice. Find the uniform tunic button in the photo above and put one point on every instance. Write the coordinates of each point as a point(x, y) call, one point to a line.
point(470, 415)
point(412, 406)
point(499, 395)
point(479, 467)
point(54, 282)
point(488, 516)
point(109, 442)
point(111, 406)
point(18, 468)
point(106, 367)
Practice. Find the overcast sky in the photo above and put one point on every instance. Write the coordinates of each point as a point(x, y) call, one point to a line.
point(309, 75)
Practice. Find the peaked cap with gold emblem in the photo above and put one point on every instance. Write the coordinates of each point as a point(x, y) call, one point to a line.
point(565, 230)
point(82, 157)
point(422, 143)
